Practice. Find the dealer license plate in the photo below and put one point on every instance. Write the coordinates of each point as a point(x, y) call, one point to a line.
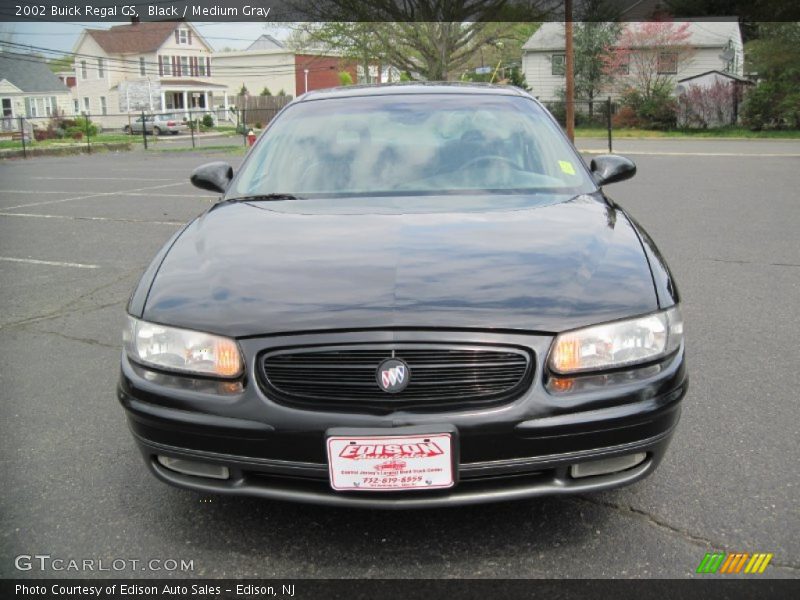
point(390, 463)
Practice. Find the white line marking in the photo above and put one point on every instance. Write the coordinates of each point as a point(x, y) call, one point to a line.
point(78, 218)
point(107, 178)
point(34, 192)
point(117, 193)
point(95, 195)
point(49, 262)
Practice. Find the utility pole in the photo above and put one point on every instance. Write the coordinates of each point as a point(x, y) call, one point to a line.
point(569, 67)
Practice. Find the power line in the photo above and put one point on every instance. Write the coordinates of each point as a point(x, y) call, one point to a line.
point(134, 65)
point(151, 70)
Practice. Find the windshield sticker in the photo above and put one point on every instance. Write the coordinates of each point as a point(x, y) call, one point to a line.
point(566, 167)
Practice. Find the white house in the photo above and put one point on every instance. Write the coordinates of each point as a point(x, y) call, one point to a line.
point(717, 46)
point(156, 66)
point(28, 88)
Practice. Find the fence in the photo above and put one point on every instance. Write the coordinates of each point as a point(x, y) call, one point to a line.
point(589, 114)
point(258, 111)
point(179, 128)
point(200, 128)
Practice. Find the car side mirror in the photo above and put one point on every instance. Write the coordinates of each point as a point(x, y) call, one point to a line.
point(214, 176)
point(610, 168)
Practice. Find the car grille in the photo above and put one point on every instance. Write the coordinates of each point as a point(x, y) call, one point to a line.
point(344, 377)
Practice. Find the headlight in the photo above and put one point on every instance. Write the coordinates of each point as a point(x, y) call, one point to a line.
point(181, 350)
point(617, 344)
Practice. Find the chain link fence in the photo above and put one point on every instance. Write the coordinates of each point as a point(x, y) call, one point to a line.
point(221, 129)
point(176, 130)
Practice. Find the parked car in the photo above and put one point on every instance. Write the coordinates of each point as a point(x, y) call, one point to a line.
point(157, 124)
point(425, 272)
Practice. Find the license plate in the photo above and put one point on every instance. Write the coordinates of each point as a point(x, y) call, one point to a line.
point(390, 463)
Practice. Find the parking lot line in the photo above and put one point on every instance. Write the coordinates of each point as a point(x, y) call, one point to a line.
point(76, 218)
point(95, 195)
point(106, 178)
point(49, 263)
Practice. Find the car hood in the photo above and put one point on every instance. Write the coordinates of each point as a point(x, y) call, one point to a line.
point(524, 263)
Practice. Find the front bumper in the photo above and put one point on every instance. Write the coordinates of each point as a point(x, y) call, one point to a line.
point(518, 450)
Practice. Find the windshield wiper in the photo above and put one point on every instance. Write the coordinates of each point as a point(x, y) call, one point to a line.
point(264, 198)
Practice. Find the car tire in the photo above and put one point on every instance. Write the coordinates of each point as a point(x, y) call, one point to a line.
point(156, 131)
point(127, 130)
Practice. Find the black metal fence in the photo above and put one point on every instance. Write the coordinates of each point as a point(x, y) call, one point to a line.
point(143, 130)
point(593, 117)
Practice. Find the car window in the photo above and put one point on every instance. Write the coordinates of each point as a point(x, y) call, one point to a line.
point(406, 144)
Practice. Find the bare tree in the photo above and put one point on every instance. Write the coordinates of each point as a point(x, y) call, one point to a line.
point(433, 38)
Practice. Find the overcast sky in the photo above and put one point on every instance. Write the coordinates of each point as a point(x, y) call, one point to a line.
point(62, 36)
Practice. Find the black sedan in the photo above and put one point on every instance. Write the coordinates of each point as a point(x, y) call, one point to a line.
point(408, 296)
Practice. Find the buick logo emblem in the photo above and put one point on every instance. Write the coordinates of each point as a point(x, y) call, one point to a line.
point(393, 375)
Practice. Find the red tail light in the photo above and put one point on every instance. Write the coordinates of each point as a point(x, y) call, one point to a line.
point(170, 123)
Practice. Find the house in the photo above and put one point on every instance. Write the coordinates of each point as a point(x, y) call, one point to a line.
point(716, 46)
point(266, 42)
point(278, 69)
point(154, 66)
point(28, 88)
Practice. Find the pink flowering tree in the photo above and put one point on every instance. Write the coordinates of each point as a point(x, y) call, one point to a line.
point(647, 56)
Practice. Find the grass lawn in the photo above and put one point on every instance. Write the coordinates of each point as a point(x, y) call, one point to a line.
point(727, 132)
point(99, 139)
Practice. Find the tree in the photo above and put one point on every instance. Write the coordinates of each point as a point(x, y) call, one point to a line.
point(591, 41)
point(354, 41)
point(62, 63)
point(775, 59)
point(266, 92)
point(646, 56)
point(433, 39)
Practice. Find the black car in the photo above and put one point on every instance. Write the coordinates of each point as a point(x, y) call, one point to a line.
point(408, 296)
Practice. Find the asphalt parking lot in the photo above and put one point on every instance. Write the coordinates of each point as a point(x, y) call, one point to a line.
point(76, 233)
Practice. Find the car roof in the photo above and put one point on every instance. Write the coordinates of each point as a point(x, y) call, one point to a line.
point(412, 88)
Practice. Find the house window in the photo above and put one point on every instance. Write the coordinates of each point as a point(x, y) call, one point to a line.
point(38, 107)
point(201, 66)
point(558, 64)
point(103, 105)
point(166, 65)
point(185, 65)
point(183, 36)
point(50, 106)
point(667, 63)
point(86, 105)
point(142, 70)
point(76, 106)
point(101, 68)
point(83, 69)
point(8, 108)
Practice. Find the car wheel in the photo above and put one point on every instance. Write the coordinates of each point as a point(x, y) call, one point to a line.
point(127, 129)
point(156, 131)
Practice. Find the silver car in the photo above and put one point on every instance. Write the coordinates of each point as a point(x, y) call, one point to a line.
point(157, 124)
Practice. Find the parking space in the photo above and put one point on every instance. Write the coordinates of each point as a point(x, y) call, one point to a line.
point(77, 232)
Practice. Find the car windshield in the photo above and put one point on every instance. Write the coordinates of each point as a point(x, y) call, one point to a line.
point(412, 144)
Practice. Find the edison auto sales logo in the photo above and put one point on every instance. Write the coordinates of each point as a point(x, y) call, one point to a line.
point(356, 451)
point(734, 562)
point(393, 375)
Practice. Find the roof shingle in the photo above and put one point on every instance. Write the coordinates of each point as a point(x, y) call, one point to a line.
point(30, 74)
point(139, 38)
